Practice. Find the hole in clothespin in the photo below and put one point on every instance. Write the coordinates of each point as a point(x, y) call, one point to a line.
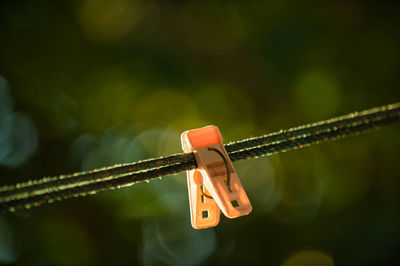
point(235, 203)
point(202, 198)
point(203, 194)
point(204, 214)
point(229, 188)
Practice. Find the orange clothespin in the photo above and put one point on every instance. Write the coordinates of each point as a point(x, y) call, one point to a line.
point(214, 185)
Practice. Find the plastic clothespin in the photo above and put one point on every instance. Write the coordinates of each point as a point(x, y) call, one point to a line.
point(214, 185)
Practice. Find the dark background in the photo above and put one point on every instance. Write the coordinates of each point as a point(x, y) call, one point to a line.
point(86, 84)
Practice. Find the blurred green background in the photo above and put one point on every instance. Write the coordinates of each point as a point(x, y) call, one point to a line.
point(86, 84)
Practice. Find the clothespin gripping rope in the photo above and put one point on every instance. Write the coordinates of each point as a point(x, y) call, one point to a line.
point(50, 189)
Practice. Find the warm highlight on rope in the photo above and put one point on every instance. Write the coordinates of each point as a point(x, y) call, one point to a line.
point(50, 189)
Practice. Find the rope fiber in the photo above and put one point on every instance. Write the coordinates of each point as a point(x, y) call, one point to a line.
point(49, 189)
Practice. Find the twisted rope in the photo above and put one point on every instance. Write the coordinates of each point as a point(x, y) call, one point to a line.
point(50, 189)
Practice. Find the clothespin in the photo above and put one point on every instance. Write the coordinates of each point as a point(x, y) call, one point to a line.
point(214, 185)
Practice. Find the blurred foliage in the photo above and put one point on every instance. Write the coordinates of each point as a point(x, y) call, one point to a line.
point(90, 83)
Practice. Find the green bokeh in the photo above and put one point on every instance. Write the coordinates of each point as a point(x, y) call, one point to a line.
point(86, 84)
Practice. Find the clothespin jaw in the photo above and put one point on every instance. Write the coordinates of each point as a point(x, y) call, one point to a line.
point(216, 174)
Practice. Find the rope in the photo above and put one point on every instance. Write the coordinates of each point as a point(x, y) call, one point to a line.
point(50, 189)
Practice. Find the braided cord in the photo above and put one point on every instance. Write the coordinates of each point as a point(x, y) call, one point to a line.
point(50, 189)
